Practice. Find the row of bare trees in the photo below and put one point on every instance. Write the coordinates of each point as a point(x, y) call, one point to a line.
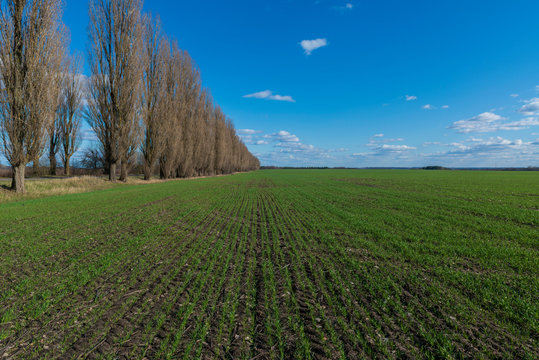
point(33, 74)
point(40, 89)
point(144, 95)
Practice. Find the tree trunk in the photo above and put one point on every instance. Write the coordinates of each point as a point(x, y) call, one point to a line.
point(35, 166)
point(112, 171)
point(162, 173)
point(147, 171)
point(163, 170)
point(52, 162)
point(123, 171)
point(106, 167)
point(17, 181)
point(67, 169)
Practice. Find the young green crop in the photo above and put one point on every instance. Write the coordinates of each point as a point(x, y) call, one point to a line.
point(277, 264)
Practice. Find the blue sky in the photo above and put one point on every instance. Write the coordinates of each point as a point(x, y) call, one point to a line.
point(365, 83)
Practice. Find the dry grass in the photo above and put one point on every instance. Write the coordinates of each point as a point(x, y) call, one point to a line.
point(50, 187)
point(80, 184)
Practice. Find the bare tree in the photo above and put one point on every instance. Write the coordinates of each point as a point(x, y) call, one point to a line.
point(60, 69)
point(208, 155)
point(219, 140)
point(190, 87)
point(98, 117)
point(114, 59)
point(171, 121)
point(31, 38)
point(199, 129)
point(69, 114)
point(153, 93)
point(130, 138)
point(92, 159)
point(53, 133)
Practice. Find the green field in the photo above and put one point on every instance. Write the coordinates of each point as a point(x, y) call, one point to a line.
point(277, 264)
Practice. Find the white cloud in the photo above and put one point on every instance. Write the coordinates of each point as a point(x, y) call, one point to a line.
point(250, 136)
point(490, 122)
point(484, 122)
point(288, 150)
point(248, 131)
point(459, 146)
point(445, 106)
point(386, 151)
point(514, 95)
point(396, 147)
point(261, 142)
point(521, 124)
point(427, 107)
point(411, 97)
point(349, 6)
point(310, 45)
point(294, 147)
point(268, 95)
point(495, 151)
point(382, 146)
point(377, 140)
point(531, 108)
point(493, 144)
point(282, 136)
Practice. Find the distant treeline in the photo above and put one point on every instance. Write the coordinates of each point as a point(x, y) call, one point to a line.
point(144, 98)
point(291, 168)
point(530, 168)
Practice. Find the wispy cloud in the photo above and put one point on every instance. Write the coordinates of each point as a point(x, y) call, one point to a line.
point(520, 124)
point(289, 150)
point(310, 45)
point(269, 95)
point(514, 95)
point(386, 150)
point(428, 107)
point(389, 147)
point(497, 148)
point(490, 122)
point(377, 140)
point(445, 107)
point(531, 107)
point(248, 131)
point(282, 136)
point(484, 122)
point(411, 97)
point(382, 146)
point(347, 6)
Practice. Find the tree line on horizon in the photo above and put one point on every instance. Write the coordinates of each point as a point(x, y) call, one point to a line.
point(144, 98)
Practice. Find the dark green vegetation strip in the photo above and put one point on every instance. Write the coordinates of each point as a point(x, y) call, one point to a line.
point(277, 264)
